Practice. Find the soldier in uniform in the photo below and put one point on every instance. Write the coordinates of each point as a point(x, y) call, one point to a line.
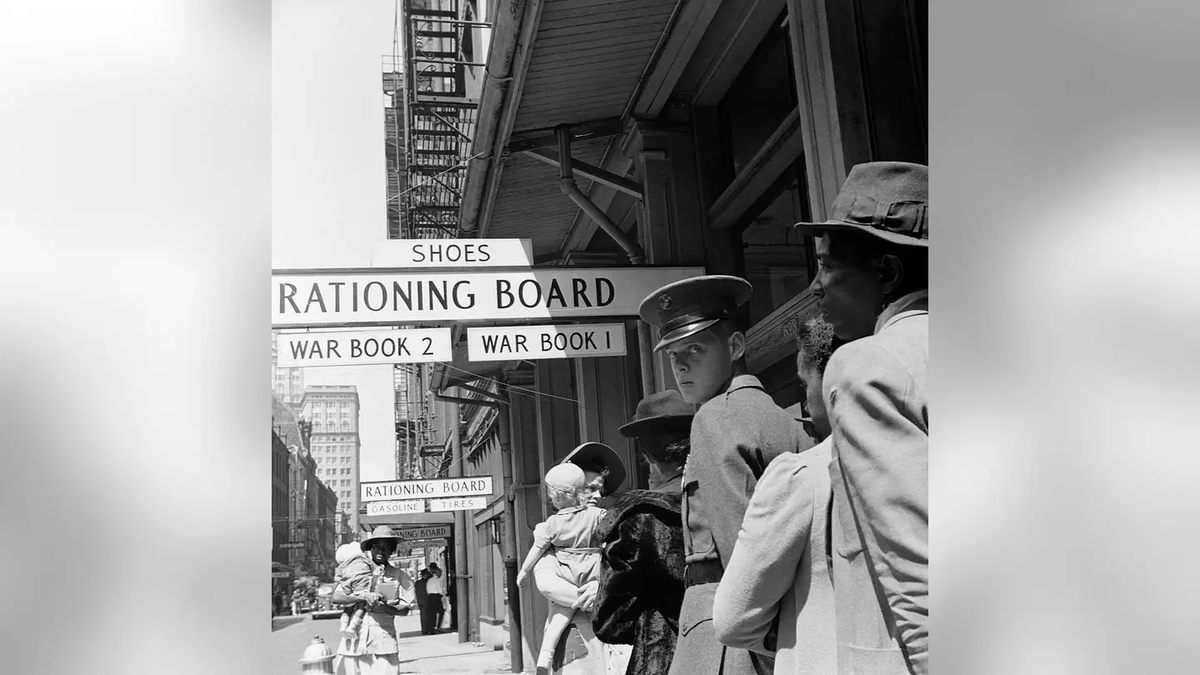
point(736, 432)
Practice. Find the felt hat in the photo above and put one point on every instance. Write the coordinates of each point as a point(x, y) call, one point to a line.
point(888, 200)
point(686, 307)
point(663, 413)
point(590, 452)
point(380, 533)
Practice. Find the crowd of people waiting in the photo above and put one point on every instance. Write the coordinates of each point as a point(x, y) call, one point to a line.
point(769, 540)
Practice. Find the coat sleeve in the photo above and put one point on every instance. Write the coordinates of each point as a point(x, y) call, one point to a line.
point(882, 444)
point(764, 563)
point(622, 576)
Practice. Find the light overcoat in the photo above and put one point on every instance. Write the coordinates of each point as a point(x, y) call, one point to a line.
point(734, 437)
point(875, 389)
point(779, 573)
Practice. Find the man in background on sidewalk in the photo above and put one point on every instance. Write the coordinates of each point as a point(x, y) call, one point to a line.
point(436, 588)
point(423, 602)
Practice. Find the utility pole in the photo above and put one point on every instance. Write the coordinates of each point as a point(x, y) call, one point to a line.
point(460, 528)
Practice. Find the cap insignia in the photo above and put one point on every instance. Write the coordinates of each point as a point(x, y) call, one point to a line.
point(665, 301)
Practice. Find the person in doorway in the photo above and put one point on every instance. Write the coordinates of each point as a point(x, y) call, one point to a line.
point(641, 571)
point(422, 594)
point(872, 285)
point(436, 588)
point(376, 650)
point(735, 434)
point(777, 594)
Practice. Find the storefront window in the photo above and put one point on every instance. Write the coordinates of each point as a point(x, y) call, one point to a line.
point(775, 257)
point(761, 97)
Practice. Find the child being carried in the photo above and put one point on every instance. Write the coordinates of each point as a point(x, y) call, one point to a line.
point(571, 534)
point(354, 575)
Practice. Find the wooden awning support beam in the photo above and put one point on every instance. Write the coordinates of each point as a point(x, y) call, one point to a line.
point(591, 171)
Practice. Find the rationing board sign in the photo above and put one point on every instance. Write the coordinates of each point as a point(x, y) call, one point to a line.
point(424, 532)
point(365, 348)
point(365, 297)
point(391, 490)
point(545, 342)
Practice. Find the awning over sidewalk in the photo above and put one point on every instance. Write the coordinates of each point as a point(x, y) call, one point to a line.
point(585, 63)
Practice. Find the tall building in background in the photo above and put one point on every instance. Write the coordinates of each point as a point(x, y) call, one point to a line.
point(332, 410)
point(287, 383)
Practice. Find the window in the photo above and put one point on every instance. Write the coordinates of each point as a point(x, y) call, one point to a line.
point(776, 259)
point(759, 99)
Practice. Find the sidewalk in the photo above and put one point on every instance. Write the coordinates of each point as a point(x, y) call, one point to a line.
point(443, 654)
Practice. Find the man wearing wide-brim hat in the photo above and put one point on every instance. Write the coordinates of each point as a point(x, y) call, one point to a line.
point(376, 650)
point(641, 572)
point(735, 434)
point(873, 288)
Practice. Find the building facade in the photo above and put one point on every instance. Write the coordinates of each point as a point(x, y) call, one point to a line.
point(333, 412)
point(286, 383)
point(698, 131)
point(279, 513)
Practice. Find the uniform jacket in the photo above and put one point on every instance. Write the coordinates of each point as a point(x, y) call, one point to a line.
point(875, 392)
point(734, 436)
point(641, 578)
point(779, 569)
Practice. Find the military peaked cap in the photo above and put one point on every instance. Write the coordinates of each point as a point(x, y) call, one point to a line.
point(686, 307)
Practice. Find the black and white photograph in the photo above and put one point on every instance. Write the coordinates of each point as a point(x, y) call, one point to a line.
point(600, 337)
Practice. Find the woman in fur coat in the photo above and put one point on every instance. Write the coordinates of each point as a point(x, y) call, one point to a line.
point(641, 573)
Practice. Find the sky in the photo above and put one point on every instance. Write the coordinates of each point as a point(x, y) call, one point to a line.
point(328, 171)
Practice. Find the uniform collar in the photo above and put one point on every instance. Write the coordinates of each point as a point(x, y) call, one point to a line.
point(914, 303)
point(743, 382)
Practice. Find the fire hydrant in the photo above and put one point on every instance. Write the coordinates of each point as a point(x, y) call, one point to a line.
point(317, 657)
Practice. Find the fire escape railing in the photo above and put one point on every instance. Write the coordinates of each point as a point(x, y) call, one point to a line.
point(440, 106)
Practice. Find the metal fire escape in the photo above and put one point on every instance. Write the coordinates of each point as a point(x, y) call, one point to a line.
point(441, 102)
point(432, 102)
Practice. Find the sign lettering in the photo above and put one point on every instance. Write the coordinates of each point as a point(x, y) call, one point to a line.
point(425, 532)
point(363, 297)
point(378, 491)
point(389, 508)
point(458, 504)
point(545, 342)
point(364, 348)
point(410, 253)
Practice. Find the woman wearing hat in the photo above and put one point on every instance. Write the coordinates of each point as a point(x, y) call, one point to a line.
point(376, 650)
point(873, 288)
point(605, 472)
point(641, 573)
